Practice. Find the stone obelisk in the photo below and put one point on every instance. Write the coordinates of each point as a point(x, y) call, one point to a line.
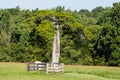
point(56, 44)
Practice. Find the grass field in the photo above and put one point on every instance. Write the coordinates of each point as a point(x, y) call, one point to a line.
point(17, 71)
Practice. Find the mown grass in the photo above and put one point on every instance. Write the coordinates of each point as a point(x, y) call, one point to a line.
point(17, 71)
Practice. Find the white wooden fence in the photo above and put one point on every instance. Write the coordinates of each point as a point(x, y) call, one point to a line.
point(47, 67)
point(54, 67)
point(36, 66)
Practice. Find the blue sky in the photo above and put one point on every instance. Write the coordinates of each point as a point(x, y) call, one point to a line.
point(48, 4)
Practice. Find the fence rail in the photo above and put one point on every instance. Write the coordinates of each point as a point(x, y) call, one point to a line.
point(47, 67)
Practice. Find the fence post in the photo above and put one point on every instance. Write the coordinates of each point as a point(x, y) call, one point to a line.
point(62, 64)
point(47, 64)
point(27, 66)
point(36, 66)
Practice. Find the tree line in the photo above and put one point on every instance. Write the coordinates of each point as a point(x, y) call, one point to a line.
point(87, 37)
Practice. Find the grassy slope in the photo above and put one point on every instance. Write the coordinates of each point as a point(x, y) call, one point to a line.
point(17, 71)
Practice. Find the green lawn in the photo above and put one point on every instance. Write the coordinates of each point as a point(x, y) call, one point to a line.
point(17, 71)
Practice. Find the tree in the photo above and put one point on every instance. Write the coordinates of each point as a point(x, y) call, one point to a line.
point(13, 34)
point(41, 24)
point(97, 11)
point(59, 8)
point(109, 43)
point(86, 18)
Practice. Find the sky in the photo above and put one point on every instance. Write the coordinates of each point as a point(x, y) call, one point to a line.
point(48, 4)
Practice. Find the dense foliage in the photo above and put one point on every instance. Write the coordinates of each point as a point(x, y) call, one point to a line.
point(87, 37)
